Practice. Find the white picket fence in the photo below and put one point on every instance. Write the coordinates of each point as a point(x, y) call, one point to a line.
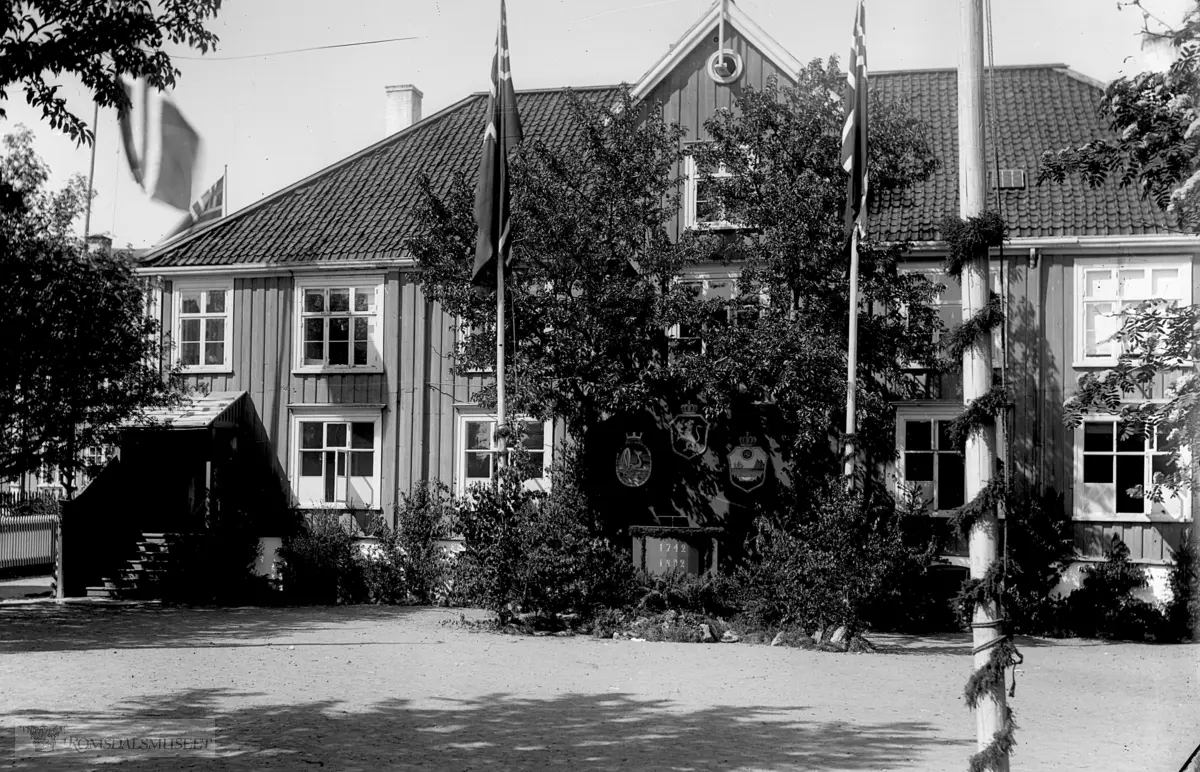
point(27, 541)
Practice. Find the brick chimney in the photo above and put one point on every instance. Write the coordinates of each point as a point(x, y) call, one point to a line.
point(403, 107)
point(98, 242)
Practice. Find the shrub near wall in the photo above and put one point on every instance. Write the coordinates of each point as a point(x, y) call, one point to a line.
point(321, 564)
point(537, 555)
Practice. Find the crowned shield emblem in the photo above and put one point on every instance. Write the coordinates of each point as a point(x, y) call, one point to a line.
point(748, 465)
point(633, 462)
point(689, 433)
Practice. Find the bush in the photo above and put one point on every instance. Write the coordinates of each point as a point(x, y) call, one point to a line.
point(1104, 605)
point(831, 560)
point(321, 564)
point(211, 567)
point(533, 553)
point(1040, 546)
point(1183, 612)
point(423, 518)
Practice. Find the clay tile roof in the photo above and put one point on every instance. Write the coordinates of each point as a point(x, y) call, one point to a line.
point(362, 207)
point(1038, 108)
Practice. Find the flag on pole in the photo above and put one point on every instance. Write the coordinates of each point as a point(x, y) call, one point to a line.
point(210, 206)
point(162, 148)
point(491, 190)
point(854, 133)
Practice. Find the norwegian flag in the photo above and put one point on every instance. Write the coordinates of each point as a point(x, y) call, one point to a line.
point(492, 197)
point(854, 132)
point(162, 148)
point(210, 206)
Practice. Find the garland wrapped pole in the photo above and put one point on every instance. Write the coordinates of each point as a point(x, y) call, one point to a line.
point(992, 719)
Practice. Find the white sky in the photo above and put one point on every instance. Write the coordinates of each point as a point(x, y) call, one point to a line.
point(275, 120)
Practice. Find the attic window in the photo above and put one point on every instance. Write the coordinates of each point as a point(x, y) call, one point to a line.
point(725, 67)
point(1010, 179)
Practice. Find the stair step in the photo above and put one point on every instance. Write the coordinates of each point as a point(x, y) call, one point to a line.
point(99, 592)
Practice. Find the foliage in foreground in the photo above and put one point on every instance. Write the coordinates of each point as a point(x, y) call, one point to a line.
point(834, 559)
point(537, 554)
point(80, 356)
point(99, 43)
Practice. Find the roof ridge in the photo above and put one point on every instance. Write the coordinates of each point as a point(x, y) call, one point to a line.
point(918, 70)
point(156, 251)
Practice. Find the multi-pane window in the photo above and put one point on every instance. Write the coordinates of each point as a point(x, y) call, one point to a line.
point(948, 304)
point(479, 451)
point(1117, 471)
point(689, 337)
point(337, 462)
point(202, 328)
point(338, 326)
point(704, 205)
point(1105, 290)
point(931, 464)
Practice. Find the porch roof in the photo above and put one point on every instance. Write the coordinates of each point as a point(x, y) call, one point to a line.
point(198, 411)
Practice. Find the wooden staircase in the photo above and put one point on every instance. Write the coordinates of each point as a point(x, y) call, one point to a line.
point(140, 576)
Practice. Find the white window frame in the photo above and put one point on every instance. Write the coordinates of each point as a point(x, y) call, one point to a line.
point(930, 412)
point(375, 336)
point(936, 273)
point(326, 414)
point(205, 286)
point(1174, 508)
point(691, 177)
point(469, 413)
point(1116, 264)
point(706, 280)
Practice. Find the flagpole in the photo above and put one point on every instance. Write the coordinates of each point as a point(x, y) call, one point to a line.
point(852, 361)
point(501, 429)
point(87, 217)
point(225, 190)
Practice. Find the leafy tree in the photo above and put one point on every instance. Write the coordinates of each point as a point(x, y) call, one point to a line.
point(1153, 118)
point(592, 283)
point(98, 42)
point(80, 355)
point(782, 147)
point(596, 286)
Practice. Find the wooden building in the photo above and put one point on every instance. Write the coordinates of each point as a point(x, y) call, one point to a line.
point(308, 302)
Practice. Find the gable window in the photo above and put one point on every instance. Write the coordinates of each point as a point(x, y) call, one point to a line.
point(335, 458)
point(478, 454)
point(703, 208)
point(203, 325)
point(340, 327)
point(1115, 475)
point(1104, 288)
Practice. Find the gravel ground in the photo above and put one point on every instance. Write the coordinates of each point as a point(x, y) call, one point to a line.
point(371, 688)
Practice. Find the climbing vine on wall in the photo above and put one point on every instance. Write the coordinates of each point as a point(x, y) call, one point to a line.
point(967, 240)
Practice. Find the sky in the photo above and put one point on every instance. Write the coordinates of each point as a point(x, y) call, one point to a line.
point(273, 120)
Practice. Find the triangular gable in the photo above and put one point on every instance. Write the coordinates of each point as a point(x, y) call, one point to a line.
point(699, 32)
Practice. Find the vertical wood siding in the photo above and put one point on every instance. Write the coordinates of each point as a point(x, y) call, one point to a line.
point(689, 97)
point(1043, 443)
point(261, 338)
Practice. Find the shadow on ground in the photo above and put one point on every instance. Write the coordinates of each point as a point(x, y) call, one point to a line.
point(503, 731)
point(83, 627)
point(941, 643)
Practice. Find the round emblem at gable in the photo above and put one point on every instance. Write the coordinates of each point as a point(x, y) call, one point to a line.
point(725, 66)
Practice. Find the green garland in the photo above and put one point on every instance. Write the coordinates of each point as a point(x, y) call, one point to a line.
point(978, 415)
point(968, 238)
point(1002, 744)
point(964, 518)
point(981, 323)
